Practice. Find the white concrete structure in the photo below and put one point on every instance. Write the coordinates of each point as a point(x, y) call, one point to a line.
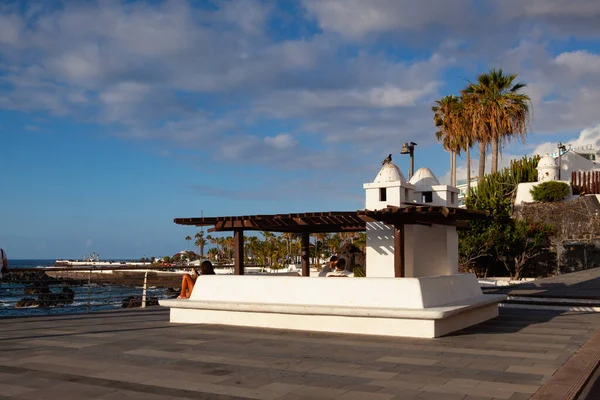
point(434, 249)
point(411, 307)
point(524, 193)
point(582, 158)
point(547, 169)
point(429, 191)
point(389, 188)
point(431, 301)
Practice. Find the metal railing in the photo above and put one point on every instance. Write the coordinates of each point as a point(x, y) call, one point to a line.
point(57, 290)
point(83, 289)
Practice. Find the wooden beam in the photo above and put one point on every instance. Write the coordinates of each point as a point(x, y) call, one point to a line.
point(238, 251)
point(399, 251)
point(305, 254)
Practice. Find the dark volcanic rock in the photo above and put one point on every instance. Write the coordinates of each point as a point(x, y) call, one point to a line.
point(26, 302)
point(27, 277)
point(64, 297)
point(133, 302)
point(46, 298)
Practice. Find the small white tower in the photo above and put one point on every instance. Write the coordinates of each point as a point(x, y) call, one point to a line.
point(547, 169)
point(389, 188)
point(429, 250)
point(429, 191)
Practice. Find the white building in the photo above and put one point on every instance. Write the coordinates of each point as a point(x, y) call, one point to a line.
point(583, 158)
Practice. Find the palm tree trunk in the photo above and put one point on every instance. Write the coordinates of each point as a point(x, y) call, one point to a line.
point(468, 170)
point(451, 168)
point(454, 165)
point(481, 162)
point(495, 151)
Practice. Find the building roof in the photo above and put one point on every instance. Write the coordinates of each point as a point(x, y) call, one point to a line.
point(424, 179)
point(547, 162)
point(337, 221)
point(389, 173)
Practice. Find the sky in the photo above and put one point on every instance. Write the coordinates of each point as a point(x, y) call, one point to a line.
point(118, 116)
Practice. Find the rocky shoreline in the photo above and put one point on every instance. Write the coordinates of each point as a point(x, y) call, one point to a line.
point(39, 284)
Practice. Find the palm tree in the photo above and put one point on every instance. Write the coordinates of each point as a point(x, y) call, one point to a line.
point(498, 112)
point(447, 119)
point(188, 239)
point(200, 242)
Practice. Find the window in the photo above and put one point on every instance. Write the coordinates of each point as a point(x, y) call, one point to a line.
point(382, 194)
point(406, 195)
point(426, 197)
point(452, 197)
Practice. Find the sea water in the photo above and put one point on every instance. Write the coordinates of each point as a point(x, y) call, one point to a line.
point(93, 297)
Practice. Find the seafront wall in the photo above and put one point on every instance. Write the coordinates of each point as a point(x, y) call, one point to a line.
point(576, 242)
point(133, 278)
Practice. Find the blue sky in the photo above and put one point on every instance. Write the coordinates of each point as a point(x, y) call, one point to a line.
point(116, 117)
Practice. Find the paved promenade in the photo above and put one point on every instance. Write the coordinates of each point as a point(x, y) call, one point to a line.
point(137, 354)
point(576, 285)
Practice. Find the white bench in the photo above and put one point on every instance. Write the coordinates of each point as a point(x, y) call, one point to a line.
point(413, 307)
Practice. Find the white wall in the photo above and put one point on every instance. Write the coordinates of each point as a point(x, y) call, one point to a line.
point(442, 195)
point(452, 250)
point(524, 193)
point(432, 255)
point(571, 161)
point(380, 250)
point(428, 251)
point(395, 195)
point(411, 293)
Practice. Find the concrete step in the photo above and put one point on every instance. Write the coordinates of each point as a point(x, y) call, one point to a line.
point(552, 303)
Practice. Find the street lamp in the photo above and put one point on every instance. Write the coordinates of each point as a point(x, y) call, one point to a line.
point(561, 148)
point(410, 149)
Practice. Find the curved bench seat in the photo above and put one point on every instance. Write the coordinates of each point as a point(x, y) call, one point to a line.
point(413, 307)
point(307, 309)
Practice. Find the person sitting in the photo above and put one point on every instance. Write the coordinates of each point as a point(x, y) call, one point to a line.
point(188, 281)
point(328, 268)
point(340, 270)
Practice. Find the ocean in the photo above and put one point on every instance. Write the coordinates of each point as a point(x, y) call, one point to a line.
point(96, 297)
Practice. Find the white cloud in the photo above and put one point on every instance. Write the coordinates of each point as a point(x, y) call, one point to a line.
point(356, 18)
point(580, 62)
point(588, 9)
point(588, 136)
point(10, 29)
point(281, 141)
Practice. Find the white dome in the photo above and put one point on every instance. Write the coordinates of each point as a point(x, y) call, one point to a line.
point(389, 173)
point(423, 180)
point(547, 162)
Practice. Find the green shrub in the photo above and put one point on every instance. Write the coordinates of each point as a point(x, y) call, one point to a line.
point(502, 244)
point(550, 191)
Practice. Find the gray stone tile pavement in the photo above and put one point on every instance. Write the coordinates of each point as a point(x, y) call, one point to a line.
point(138, 354)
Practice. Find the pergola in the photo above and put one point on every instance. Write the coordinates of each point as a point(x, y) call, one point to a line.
point(335, 221)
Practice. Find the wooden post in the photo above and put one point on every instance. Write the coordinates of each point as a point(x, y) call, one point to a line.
point(399, 251)
point(305, 254)
point(238, 252)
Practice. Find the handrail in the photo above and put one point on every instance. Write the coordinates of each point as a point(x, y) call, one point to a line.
point(122, 268)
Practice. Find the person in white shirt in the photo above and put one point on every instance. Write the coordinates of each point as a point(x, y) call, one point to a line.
point(328, 268)
point(340, 270)
point(4, 269)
